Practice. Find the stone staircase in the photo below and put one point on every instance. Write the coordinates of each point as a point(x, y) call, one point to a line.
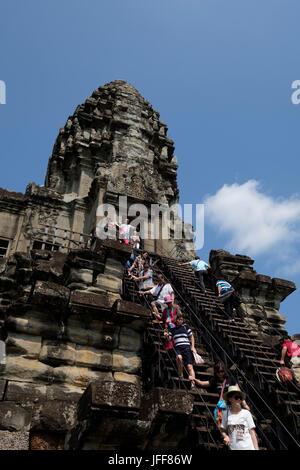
point(243, 347)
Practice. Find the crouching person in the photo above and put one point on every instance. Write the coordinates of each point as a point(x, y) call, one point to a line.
point(184, 345)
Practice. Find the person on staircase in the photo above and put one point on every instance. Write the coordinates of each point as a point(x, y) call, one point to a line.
point(216, 382)
point(225, 295)
point(292, 351)
point(125, 231)
point(138, 263)
point(168, 318)
point(200, 269)
point(158, 294)
point(184, 347)
point(168, 315)
point(237, 428)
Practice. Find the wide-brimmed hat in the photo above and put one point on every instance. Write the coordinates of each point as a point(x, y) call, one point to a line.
point(234, 389)
point(168, 299)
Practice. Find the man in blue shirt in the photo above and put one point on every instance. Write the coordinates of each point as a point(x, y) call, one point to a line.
point(200, 268)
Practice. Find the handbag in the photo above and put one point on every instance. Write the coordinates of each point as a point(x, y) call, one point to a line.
point(221, 405)
point(197, 358)
point(284, 374)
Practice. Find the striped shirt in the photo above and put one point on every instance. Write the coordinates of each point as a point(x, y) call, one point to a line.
point(181, 335)
point(225, 286)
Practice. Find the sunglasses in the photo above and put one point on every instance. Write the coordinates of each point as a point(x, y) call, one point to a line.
point(236, 397)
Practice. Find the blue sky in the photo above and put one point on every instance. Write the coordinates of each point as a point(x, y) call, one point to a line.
point(219, 73)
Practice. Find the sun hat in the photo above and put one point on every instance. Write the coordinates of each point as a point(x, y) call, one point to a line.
point(168, 299)
point(234, 389)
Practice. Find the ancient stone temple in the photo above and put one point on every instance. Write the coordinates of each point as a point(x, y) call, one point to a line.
point(82, 366)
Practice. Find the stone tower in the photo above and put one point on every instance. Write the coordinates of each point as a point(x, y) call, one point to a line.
point(114, 145)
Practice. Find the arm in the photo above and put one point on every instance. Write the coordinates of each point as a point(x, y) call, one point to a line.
point(192, 340)
point(219, 291)
point(184, 264)
point(283, 354)
point(142, 278)
point(225, 436)
point(254, 438)
point(202, 383)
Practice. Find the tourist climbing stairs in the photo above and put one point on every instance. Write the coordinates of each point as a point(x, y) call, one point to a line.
point(240, 346)
point(162, 372)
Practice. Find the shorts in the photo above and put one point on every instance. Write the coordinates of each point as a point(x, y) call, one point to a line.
point(186, 353)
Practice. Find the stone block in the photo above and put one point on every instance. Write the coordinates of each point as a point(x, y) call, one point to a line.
point(90, 357)
point(253, 310)
point(81, 275)
point(89, 300)
point(27, 370)
point(64, 392)
point(13, 417)
point(126, 361)
point(109, 394)
point(51, 295)
point(114, 268)
point(131, 378)
point(27, 345)
point(14, 440)
point(273, 315)
point(94, 336)
point(109, 283)
point(130, 340)
point(23, 392)
point(123, 307)
point(33, 323)
point(78, 376)
point(56, 352)
point(55, 416)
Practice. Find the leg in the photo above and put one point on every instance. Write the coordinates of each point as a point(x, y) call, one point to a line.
point(200, 277)
point(191, 372)
point(154, 308)
point(179, 365)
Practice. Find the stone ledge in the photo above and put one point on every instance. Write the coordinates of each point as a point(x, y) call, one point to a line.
point(109, 395)
point(50, 294)
point(126, 308)
point(80, 300)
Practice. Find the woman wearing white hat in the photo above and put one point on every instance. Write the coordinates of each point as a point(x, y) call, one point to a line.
point(237, 428)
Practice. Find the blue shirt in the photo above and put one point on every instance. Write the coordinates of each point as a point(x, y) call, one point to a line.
point(198, 265)
point(225, 286)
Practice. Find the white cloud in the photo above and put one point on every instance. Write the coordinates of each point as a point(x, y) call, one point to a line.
point(254, 222)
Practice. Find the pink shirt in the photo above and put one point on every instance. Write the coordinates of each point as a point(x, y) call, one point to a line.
point(292, 348)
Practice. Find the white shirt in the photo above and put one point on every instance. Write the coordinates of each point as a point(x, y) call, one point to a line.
point(166, 290)
point(147, 283)
point(237, 427)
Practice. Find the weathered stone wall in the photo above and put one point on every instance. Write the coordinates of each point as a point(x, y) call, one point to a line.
point(65, 327)
point(261, 295)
